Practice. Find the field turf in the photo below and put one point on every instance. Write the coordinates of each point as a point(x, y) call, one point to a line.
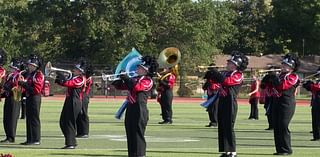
point(186, 137)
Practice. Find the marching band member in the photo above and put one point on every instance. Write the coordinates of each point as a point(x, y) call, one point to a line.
point(11, 106)
point(165, 94)
point(314, 87)
point(33, 86)
point(254, 98)
point(230, 81)
point(270, 98)
point(212, 88)
point(137, 115)
point(284, 106)
point(83, 118)
point(73, 103)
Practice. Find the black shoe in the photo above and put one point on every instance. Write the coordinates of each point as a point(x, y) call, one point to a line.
point(69, 147)
point(269, 128)
point(165, 122)
point(209, 125)
point(283, 154)
point(82, 136)
point(315, 139)
point(231, 155)
point(7, 141)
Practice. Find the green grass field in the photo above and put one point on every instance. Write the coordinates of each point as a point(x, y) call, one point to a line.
point(186, 137)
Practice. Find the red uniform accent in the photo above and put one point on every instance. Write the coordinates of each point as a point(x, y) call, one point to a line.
point(75, 82)
point(143, 83)
point(213, 87)
point(2, 72)
point(287, 81)
point(231, 79)
point(11, 82)
point(235, 78)
point(171, 79)
point(35, 80)
point(88, 85)
point(254, 85)
point(315, 87)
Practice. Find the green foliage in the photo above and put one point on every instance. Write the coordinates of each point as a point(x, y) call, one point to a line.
point(296, 25)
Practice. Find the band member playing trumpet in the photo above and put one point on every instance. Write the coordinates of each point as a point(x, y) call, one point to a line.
point(230, 82)
point(284, 87)
point(33, 86)
point(165, 93)
point(314, 87)
point(11, 106)
point(137, 115)
point(73, 103)
point(212, 87)
point(83, 118)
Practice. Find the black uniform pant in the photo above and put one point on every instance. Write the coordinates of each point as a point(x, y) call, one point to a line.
point(268, 107)
point(316, 121)
point(33, 118)
point(23, 107)
point(11, 111)
point(136, 120)
point(213, 111)
point(166, 105)
point(254, 112)
point(83, 119)
point(68, 119)
point(227, 113)
point(282, 114)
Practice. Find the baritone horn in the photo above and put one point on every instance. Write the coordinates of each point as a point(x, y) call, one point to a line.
point(49, 71)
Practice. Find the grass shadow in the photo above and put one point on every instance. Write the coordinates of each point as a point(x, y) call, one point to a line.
point(75, 154)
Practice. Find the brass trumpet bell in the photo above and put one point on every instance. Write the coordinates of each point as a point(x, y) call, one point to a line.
point(169, 57)
point(49, 70)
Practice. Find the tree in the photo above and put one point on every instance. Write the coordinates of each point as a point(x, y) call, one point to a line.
point(296, 25)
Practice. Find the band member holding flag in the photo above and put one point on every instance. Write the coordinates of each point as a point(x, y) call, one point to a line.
point(230, 81)
point(283, 109)
point(137, 115)
point(33, 86)
point(83, 118)
point(12, 94)
point(212, 87)
point(314, 87)
point(73, 103)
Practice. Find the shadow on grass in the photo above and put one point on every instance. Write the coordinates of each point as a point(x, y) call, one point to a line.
point(18, 146)
point(176, 152)
point(253, 154)
point(79, 154)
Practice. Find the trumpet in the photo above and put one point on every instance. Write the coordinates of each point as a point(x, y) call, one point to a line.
point(49, 69)
point(271, 70)
point(205, 67)
point(115, 77)
point(310, 77)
